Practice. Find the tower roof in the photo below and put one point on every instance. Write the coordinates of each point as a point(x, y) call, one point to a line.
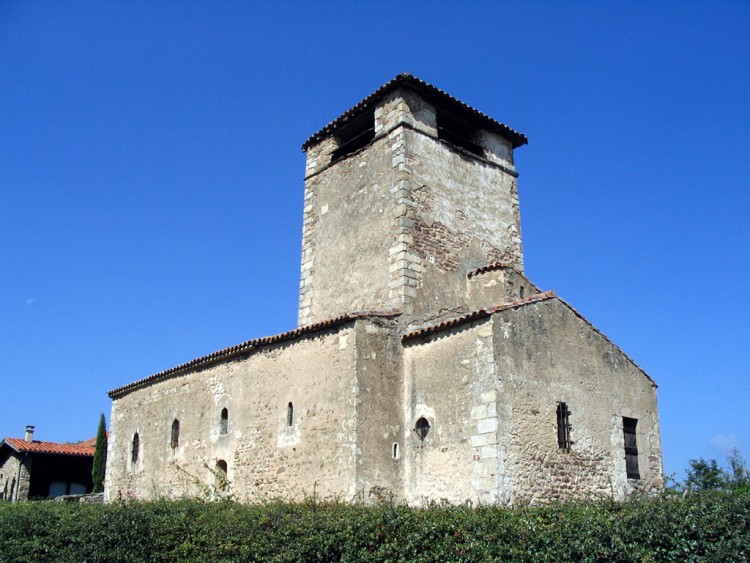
point(431, 94)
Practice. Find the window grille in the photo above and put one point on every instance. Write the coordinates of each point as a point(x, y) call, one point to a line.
point(563, 427)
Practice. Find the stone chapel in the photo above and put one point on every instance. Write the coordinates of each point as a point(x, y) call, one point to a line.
point(425, 366)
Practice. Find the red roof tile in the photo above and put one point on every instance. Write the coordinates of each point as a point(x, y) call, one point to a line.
point(430, 92)
point(478, 314)
point(244, 348)
point(82, 448)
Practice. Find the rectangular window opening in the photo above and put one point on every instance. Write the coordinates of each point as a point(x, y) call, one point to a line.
point(457, 132)
point(631, 447)
point(563, 427)
point(354, 136)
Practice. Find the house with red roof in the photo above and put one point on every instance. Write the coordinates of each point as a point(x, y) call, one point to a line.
point(31, 469)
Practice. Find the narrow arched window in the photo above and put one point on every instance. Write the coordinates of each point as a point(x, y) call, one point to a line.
point(224, 423)
point(175, 433)
point(135, 447)
point(290, 414)
point(394, 451)
point(222, 482)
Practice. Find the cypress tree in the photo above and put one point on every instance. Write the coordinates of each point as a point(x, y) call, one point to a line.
point(100, 456)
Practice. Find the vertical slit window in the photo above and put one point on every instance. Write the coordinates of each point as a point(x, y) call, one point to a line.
point(135, 447)
point(224, 421)
point(290, 414)
point(631, 447)
point(563, 427)
point(175, 433)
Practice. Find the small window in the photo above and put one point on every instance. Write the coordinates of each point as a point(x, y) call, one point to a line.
point(422, 428)
point(290, 414)
point(354, 136)
point(175, 433)
point(135, 447)
point(522, 292)
point(394, 451)
point(631, 447)
point(224, 422)
point(563, 427)
point(221, 482)
point(457, 132)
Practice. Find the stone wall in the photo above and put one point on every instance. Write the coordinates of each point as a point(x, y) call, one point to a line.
point(379, 413)
point(12, 481)
point(265, 456)
point(400, 222)
point(498, 285)
point(548, 354)
point(450, 380)
point(348, 231)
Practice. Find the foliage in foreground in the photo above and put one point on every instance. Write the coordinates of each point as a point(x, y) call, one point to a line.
point(707, 526)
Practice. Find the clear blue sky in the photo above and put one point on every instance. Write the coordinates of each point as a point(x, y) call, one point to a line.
point(151, 181)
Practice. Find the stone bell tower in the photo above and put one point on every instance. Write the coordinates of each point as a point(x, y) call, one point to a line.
point(405, 194)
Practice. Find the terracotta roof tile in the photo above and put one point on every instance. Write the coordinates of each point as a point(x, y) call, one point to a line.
point(246, 347)
point(431, 93)
point(21, 445)
point(478, 314)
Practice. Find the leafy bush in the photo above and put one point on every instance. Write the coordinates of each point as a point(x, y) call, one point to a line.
point(711, 526)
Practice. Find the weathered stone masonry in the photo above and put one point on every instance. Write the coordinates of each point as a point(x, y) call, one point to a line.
point(427, 366)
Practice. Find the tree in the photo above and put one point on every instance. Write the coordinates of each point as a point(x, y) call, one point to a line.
point(100, 456)
point(739, 472)
point(706, 475)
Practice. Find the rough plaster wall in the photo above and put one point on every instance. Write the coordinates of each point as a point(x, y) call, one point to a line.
point(465, 214)
point(451, 380)
point(9, 477)
point(349, 228)
point(379, 412)
point(266, 458)
point(498, 286)
point(547, 354)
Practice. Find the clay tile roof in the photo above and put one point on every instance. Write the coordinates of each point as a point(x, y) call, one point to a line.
point(82, 448)
point(478, 314)
point(490, 267)
point(429, 93)
point(246, 347)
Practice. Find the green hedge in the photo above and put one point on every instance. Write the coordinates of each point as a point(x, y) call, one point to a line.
point(700, 527)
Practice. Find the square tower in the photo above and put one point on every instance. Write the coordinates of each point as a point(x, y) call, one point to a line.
point(405, 194)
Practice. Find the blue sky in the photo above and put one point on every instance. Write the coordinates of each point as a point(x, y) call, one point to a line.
point(151, 181)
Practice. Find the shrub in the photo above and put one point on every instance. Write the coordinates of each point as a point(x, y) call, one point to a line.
point(712, 526)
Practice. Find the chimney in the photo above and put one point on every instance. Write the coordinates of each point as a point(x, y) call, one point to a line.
point(29, 434)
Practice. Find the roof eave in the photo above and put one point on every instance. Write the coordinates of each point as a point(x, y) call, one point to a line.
point(430, 93)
